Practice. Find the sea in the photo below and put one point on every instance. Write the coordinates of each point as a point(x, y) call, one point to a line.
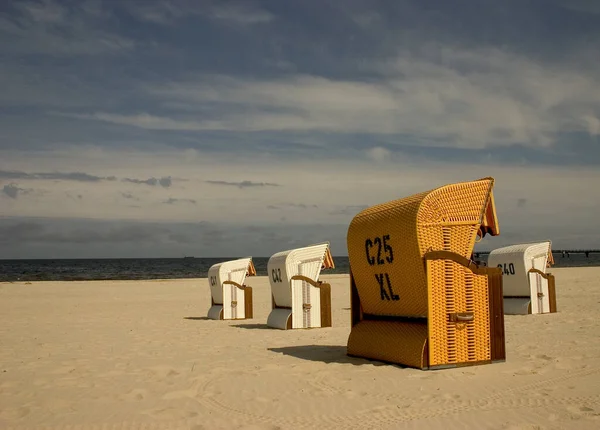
point(172, 268)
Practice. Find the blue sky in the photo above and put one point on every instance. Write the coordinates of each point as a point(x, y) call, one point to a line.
point(227, 128)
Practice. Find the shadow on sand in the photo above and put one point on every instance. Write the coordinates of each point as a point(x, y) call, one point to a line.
point(196, 318)
point(254, 326)
point(323, 353)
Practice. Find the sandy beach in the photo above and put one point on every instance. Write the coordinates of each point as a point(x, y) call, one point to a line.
point(142, 355)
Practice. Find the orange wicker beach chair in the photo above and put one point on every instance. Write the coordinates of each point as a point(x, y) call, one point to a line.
point(299, 299)
point(528, 289)
point(230, 298)
point(416, 297)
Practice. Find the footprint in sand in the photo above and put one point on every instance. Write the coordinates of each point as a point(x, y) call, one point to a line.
point(582, 411)
point(163, 371)
point(181, 394)
point(170, 414)
point(63, 370)
point(15, 413)
point(263, 400)
point(134, 395)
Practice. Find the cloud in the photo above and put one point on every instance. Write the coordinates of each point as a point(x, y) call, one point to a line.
point(49, 28)
point(317, 108)
point(69, 176)
point(146, 121)
point(12, 190)
point(164, 182)
point(593, 125)
point(241, 13)
point(586, 6)
point(82, 238)
point(172, 201)
point(168, 12)
point(470, 99)
point(38, 232)
point(243, 184)
point(378, 154)
point(161, 12)
point(44, 12)
point(129, 196)
point(75, 197)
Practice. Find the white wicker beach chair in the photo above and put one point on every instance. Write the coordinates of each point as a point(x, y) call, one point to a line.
point(299, 299)
point(230, 298)
point(528, 289)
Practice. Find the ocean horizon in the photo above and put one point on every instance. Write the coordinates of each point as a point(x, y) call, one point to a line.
point(85, 269)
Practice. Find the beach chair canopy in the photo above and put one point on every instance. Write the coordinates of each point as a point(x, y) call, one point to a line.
point(307, 261)
point(225, 279)
point(527, 287)
point(413, 279)
point(299, 300)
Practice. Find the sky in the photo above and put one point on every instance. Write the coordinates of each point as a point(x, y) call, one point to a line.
point(243, 128)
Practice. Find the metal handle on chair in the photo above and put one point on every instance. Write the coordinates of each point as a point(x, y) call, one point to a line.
point(461, 317)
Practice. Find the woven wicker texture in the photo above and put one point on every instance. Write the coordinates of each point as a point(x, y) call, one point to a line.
point(454, 290)
point(386, 245)
point(446, 218)
point(379, 340)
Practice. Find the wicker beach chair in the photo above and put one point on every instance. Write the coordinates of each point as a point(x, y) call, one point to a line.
point(528, 289)
point(416, 297)
point(230, 298)
point(299, 299)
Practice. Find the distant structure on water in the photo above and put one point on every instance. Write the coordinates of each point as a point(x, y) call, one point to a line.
point(563, 252)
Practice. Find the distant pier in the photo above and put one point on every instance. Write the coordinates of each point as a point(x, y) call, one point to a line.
point(562, 252)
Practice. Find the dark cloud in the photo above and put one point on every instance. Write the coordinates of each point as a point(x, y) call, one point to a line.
point(129, 196)
point(243, 184)
point(79, 233)
point(81, 238)
point(150, 181)
point(74, 197)
point(69, 176)
point(86, 238)
point(164, 182)
point(12, 190)
point(172, 201)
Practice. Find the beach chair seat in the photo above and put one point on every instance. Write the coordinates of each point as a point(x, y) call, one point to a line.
point(416, 297)
point(231, 299)
point(299, 299)
point(528, 289)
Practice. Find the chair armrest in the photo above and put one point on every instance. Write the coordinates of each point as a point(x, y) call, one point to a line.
point(457, 258)
point(539, 272)
point(241, 287)
point(317, 284)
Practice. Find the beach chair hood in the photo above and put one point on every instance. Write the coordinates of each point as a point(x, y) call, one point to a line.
point(414, 287)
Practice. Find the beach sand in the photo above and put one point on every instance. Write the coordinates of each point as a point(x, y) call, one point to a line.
point(142, 355)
